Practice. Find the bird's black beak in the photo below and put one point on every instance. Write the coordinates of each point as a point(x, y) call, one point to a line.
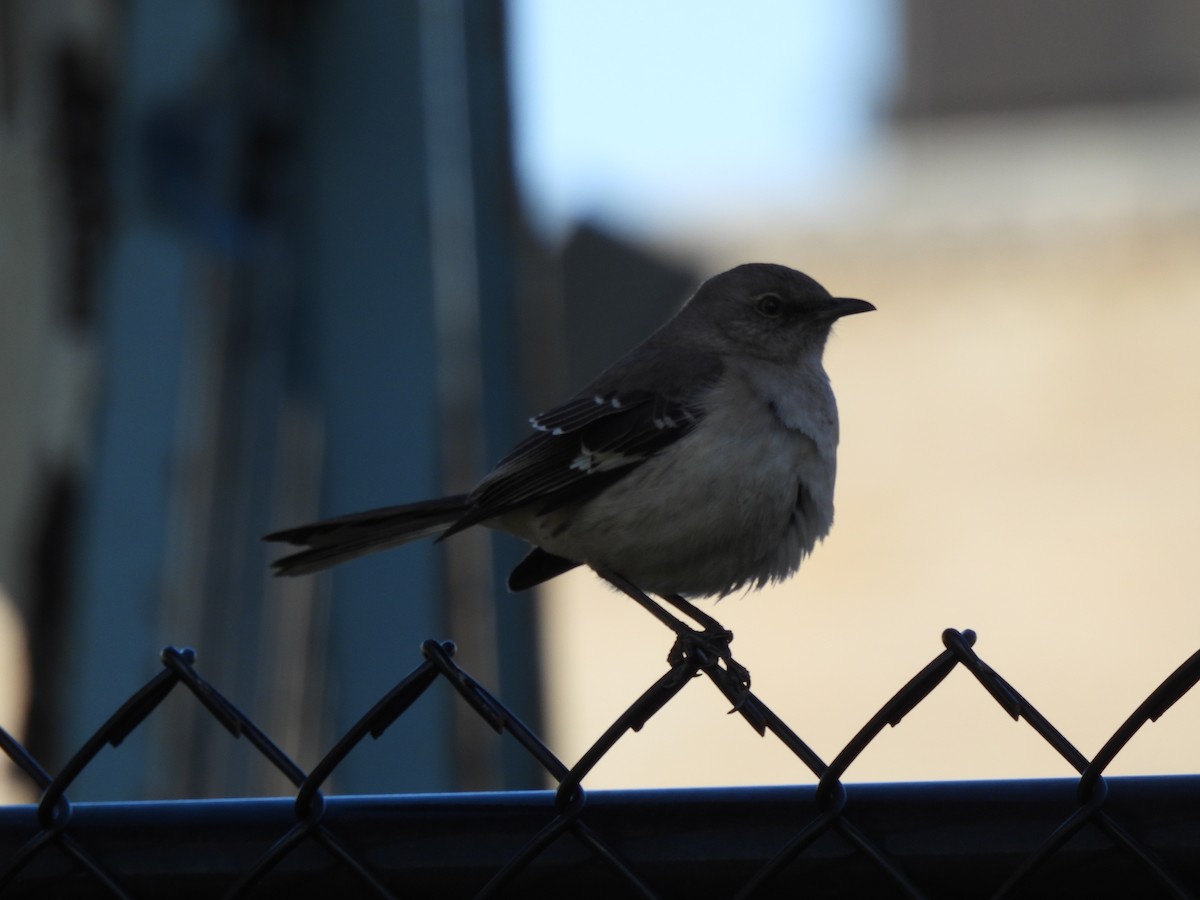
point(846, 306)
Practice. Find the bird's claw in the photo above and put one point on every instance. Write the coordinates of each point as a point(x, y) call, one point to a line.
point(710, 648)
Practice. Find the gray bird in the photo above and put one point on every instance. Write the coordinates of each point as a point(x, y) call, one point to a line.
point(700, 463)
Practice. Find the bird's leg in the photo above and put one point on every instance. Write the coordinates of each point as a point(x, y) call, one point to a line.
point(625, 586)
point(710, 645)
point(710, 624)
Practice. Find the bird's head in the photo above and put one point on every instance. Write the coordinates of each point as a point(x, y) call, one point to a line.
point(767, 311)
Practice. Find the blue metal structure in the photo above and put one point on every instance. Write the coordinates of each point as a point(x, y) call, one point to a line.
point(273, 347)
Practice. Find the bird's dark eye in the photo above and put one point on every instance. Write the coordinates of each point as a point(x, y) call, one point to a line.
point(770, 305)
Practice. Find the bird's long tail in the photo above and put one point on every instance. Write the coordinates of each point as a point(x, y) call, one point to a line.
point(334, 541)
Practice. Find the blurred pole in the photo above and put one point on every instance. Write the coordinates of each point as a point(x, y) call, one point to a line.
point(460, 391)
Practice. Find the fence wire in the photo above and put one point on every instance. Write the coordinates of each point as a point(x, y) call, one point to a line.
point(1036, 839)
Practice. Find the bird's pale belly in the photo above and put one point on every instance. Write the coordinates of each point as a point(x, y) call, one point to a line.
point(727, 520)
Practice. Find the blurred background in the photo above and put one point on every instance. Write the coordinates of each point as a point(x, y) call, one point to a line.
point(266, 261)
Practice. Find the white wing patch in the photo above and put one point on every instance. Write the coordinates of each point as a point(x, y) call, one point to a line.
point(572, 415)
point(590, 461)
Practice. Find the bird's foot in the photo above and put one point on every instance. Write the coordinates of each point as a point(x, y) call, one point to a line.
point(709, 649)
point(693, 651)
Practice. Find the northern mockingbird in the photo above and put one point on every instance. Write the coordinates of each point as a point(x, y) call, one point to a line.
point(700, 463)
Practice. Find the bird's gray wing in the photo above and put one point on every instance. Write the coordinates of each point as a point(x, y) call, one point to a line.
point(581, 447)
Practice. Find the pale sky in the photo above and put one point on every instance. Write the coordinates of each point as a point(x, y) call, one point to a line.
point(644, 114)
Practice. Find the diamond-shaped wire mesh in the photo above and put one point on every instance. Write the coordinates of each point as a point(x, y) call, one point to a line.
point(1014, 839)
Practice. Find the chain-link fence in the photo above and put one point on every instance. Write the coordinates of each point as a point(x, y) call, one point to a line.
point(1087, 836)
